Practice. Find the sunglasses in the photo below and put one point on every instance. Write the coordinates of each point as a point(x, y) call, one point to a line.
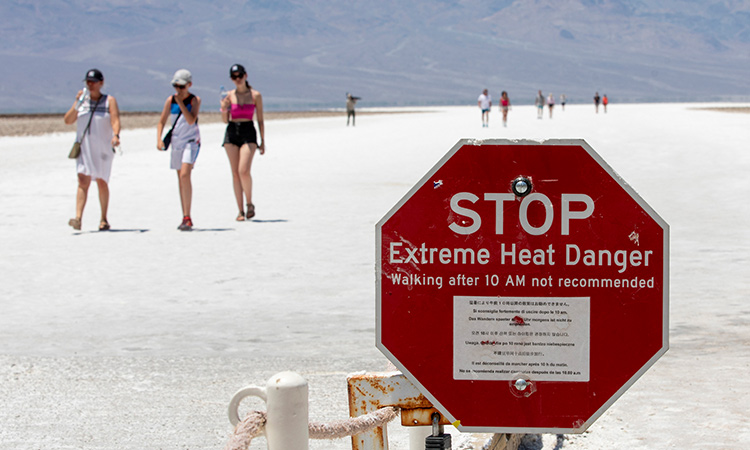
point(236, 76)
point(179, 86)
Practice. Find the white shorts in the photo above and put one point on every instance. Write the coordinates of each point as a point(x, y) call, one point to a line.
point(185, 154)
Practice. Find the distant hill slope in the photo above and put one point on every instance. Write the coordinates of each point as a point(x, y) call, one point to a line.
point(308, 54)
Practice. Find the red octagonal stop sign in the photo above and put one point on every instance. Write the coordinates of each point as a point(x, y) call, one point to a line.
point(522, 286)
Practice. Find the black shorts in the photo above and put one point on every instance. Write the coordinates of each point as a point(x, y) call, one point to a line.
point(240, 133)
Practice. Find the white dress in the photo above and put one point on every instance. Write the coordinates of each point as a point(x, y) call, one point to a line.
point(96, 155)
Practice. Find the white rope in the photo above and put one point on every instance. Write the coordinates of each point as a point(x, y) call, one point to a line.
point(355, 425)
point(253, 425)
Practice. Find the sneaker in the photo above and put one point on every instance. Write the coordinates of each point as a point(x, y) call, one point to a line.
point(186, 225)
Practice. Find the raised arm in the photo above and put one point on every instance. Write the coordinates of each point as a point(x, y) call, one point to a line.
point(72, 114)
point(190, 116)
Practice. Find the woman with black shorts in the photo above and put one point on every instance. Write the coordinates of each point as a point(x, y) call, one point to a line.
point(240, 139)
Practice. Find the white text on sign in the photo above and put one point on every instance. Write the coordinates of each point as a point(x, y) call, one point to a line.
point(567, 213)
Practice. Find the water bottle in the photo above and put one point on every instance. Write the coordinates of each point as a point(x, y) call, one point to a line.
point(85, 95)
point(222, 93)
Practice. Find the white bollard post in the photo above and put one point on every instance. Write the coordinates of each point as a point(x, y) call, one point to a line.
point(286, 398)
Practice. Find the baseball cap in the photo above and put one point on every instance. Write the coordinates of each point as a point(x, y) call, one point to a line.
point(94, 75)
point(237, 68)
point(182, 76)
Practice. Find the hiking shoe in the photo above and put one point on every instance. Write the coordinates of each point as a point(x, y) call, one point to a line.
point(186, 225)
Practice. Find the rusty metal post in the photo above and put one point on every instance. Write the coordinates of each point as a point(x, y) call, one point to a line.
point(371, 391)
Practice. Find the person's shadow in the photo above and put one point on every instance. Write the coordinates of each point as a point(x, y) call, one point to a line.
point(114, 230)
point(145, 230)
point(267, 220)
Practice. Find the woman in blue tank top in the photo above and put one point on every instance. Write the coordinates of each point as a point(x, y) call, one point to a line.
point(181, 110)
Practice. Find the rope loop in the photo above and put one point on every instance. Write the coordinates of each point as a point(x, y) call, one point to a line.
point(254, 424)
point(248, 429)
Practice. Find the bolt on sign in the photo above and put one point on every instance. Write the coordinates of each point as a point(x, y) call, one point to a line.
point(522, 286)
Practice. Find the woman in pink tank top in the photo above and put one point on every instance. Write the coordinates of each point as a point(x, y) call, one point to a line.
point(240, 140)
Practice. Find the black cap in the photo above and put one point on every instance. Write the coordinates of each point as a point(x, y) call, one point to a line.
point(237, 68)
point(94, 75)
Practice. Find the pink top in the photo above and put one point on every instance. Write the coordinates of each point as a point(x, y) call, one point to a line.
point(242, 111)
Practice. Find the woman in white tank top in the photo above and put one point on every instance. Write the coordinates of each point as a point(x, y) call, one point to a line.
point(98, 120)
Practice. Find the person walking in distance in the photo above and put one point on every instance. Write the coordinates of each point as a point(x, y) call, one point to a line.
point(539, 102)
point(485, 104)
point(550, 104)
point(605, 102)
point(240, 139)
point(563, 100)
point(505, 107)
point(98, 133)
point(597, 99)
point(351, 101)
point(181, 110)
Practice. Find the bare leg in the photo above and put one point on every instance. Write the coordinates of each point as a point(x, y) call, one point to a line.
point(186, 187)
point(247, 152)
point(243, 170)
point(233, 154)
point(103, 199)
point(84, 181)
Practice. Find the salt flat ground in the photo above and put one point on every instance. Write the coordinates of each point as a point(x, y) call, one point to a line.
point(137, 338)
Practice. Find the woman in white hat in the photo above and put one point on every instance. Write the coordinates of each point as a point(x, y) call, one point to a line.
point(181, 110)
point(98, 120)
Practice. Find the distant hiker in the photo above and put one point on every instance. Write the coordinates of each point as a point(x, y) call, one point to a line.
point(550, 104)
point(504, 107)
point(563, 100)
point(485, 103)
point(597, 99)
point(539, 102)
point(605, 102)
point(240, 138)
point(350, 102)
point(98, 120)
point(181, 110)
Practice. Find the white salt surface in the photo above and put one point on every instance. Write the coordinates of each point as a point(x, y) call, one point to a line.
point(137, 338)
